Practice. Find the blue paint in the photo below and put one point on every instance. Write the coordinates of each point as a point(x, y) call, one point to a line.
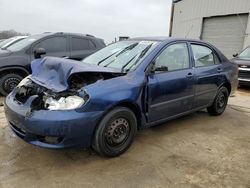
point(156, 97)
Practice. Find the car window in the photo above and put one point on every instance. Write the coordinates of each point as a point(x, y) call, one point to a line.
point(91, 45)
point(174, 57)
point(55, 44)
point(81, 44)
point(245, 54)
point(204, 56)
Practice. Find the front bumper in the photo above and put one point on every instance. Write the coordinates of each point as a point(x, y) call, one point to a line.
point(244, 76)
point(65, 128)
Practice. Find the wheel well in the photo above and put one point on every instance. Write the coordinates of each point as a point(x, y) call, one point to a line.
point(18, 71)
point(228, 86)
point(134, 107)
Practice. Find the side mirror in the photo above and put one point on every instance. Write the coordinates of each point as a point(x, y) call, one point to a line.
point(161, 69)
point(235, 55)
point(39, 52)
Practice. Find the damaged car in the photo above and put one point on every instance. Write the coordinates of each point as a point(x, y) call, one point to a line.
point(104, 100)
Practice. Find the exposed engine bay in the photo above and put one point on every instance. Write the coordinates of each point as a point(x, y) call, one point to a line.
point(72, 98)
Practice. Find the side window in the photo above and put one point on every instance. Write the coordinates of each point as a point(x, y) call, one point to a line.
point(92, 45)
point(204, 56)
point(80, 44)
point(174, 57)
point(55, 44)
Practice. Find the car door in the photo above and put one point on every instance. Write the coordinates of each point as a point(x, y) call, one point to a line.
point(170, 92)
point(81, 48)
point(56, 46)
point(207, 68)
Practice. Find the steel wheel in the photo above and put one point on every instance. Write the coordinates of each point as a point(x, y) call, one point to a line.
point(117, 132)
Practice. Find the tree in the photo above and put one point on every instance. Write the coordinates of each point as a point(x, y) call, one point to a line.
point(11, 33)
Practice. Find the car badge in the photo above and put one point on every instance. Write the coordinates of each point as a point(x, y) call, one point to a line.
point(243, 66)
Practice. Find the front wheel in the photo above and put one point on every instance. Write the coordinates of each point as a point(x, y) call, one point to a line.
point(220, 102)
point(115, 133)
point(8, 82)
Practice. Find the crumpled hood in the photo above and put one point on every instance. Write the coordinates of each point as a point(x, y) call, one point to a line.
point(53, 73)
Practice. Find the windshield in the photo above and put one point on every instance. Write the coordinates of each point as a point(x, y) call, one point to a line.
point(22, 44)
point(245, 54)
point(6, 41)
point(125, 55)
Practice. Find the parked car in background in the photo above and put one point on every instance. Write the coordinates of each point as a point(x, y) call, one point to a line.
point(8, 42)
point(243, 61)
point(130, 85)
point(15, 60)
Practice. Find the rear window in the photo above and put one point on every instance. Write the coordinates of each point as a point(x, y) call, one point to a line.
point(82, 44)
point(204, 56)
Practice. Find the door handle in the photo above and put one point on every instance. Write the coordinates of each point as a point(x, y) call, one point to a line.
point(219, 70)
point(190, 75)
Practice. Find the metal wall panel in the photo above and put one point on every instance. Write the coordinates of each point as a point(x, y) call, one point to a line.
point(189, 14)
point(226, 32)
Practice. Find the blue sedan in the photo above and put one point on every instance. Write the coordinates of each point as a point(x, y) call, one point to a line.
point(104, 100)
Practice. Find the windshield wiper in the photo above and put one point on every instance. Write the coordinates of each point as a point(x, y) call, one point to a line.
point(130, 47)
point(106, 58)
point(128, 62)
point(138, 59)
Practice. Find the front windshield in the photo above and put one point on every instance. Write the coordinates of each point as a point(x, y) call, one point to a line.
point(22, 44)
point(125, 55)
point(6, 41)
point(245, 54)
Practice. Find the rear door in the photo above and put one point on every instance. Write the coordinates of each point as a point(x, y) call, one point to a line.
point(207, 68)
point(171, 92)
point(81, 47)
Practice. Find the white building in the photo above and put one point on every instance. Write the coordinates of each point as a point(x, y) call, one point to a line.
point(224, 23)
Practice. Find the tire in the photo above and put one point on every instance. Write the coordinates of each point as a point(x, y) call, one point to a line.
point(115, 133)
point(220, 102)
point(8, 82)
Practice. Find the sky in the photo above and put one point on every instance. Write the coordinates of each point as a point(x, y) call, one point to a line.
point(106, 19)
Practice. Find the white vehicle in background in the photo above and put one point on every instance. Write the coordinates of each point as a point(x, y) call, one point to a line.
point(8, 42)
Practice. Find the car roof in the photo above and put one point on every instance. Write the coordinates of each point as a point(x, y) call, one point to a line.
point(165, 39)
point(38, 36)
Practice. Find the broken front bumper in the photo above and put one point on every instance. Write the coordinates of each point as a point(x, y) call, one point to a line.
point(51, 129)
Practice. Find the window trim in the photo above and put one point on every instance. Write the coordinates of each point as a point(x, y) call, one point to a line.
point(207, 46)
point(165, 47)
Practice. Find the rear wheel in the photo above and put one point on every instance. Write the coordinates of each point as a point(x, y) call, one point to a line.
point(220, 102)
point(8, 82)
point(115, 133)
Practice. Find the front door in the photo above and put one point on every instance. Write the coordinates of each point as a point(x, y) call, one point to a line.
point(171, 86)
point(56, 46)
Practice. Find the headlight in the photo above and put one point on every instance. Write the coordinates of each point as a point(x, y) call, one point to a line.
point(68, 103)
point(25, 81)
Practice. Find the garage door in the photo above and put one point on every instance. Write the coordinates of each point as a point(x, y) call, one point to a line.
point(227, 33)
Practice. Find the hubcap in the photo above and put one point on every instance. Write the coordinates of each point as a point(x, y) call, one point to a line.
point(10, 84)
point(221, 101)
point(117, 132)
